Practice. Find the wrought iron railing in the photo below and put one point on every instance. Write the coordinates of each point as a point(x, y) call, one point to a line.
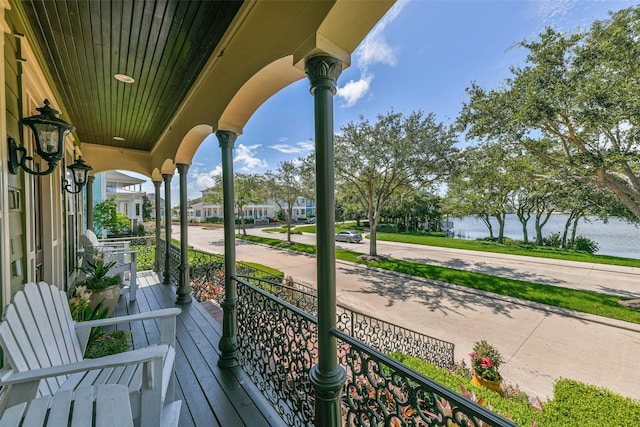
point(384, 336)
point(381, 391)
point(144, 245)
point(161, 249)
point(174, 263)
point(278, 346)
point(206, 271)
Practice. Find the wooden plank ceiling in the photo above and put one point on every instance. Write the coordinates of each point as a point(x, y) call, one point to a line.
point(162, 45)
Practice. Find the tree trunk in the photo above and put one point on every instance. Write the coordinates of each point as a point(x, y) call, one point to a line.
point(524, 220)
point(540, 223)
point(486, 221)
point(241, 214)
point(501, 217)
point(373, 250)
point(289, 213)
point(574, 230)
point(565, 231)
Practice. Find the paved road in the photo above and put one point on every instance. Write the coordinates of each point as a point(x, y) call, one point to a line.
point(538, 344)
point(609, 279)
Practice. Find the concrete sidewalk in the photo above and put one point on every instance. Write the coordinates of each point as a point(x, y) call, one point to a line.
point(538, 344)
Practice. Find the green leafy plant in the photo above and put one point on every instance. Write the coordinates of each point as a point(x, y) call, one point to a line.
point(108, 343)
point(485, 361)
point(97, 271)
point(81, 311)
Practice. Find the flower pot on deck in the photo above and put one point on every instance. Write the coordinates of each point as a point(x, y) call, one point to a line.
point(109, 297)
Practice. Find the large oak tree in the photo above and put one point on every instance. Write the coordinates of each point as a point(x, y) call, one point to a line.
point(574, 104)
point(374, 161)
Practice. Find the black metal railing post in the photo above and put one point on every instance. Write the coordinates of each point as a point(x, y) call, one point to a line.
point(166, 275)
point(326, 376)
point(183, 290)
point(228, 342)
point(157, 267)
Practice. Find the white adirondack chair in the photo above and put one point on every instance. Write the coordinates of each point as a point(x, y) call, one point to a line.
point(45, 347)
point(126, 261)
point(106, 405)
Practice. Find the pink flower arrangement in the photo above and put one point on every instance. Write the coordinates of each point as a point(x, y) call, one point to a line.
point(485, 360)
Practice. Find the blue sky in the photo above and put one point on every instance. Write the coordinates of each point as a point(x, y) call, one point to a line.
point(421, 56)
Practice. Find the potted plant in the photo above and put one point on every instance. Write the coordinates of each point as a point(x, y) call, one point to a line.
point(485, 361)
point(107, 344)
point(104, 289)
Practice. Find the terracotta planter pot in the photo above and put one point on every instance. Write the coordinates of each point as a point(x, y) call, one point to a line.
point(109, 297)
point(491, 385)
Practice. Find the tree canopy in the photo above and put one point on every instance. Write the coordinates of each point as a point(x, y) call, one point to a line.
point(284, 186)
point(574, 104)
point(106, 216)
point(248, 189)
point(375, 161)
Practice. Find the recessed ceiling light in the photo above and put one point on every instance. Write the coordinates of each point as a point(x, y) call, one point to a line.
point(118, 138)
point(124, 78)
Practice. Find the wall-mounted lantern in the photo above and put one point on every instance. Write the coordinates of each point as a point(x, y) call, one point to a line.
point(49, 132)
point(79, 170)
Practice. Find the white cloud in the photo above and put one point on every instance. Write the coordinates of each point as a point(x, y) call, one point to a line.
point(245, 157)
point(553, 10)
point(298, 148)
point(283, 139)
point(564, 15)
point(205, 180)
point(353, 90)
point(373, 50)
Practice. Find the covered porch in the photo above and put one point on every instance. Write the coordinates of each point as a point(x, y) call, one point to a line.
point(211, 395)
point(291, 359)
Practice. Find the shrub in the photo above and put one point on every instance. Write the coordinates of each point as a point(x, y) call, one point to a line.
point(517, 408)
point(553, 240)
point(387, 228)
point(578, 404)
point(585, 244)
point(214, 220)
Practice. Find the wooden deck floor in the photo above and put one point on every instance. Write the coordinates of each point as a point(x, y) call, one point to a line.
point(210, 396)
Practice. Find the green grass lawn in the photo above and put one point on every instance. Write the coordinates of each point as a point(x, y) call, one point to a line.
point(584, 301)
point(513, 249)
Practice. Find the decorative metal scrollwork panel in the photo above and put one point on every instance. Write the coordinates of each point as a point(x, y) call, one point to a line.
point(388, 338)
point(382, 392)
point(278, 346)
point(174, 262)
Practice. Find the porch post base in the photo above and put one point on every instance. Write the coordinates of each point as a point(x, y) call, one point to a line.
point(228, 341)
point(184, 290)
point(328, 387)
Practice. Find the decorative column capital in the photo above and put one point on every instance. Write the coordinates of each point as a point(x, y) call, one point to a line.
point(226, 138)
point(323, 72)
point(90, 179)
point(182, 168)
point(157, 184)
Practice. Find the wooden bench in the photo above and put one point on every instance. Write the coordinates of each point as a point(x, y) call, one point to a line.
point(126, 260)
point(45, 347)
point(107, 404)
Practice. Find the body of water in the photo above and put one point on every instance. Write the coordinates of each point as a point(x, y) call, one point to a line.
point(615, 237)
